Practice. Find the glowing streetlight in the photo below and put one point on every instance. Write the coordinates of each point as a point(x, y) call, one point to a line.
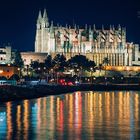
point(1, 71)
point(91, 69)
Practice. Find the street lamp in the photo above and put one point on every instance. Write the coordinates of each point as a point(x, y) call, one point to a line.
point(91, 69)
point(106, 80)
point(77, 70)
point(19, 72)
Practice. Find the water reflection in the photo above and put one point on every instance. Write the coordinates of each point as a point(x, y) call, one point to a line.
point(81, 115)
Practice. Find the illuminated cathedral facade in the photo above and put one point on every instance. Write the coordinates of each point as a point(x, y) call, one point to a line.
point(96, 44)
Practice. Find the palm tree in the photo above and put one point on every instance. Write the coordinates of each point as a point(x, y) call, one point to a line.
point(106, 61)
point(48, 65)
point(59, 63)
point(34, 66)
point(100, 68)
point(91, 66)
point(17, 60)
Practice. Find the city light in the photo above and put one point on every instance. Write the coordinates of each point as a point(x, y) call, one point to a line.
point(73, 80)
point(1, 71)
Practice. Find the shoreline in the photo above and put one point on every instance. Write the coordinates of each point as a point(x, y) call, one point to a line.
point(17, 93)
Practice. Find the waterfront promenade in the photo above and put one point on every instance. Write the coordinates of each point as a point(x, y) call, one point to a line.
point(11, 93)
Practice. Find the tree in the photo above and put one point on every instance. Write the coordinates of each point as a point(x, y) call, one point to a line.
point(59, 63)
point(18, 60)
point(48, 65)
point(48, 62)
point(80, 62)
point(91, 68)
point(106, 61)
point(34, 66)
point(100, 68)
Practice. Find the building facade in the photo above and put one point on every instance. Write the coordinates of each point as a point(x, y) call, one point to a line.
point(28, 57)
point(5, 55)
point(94, 43)
point(8, 70)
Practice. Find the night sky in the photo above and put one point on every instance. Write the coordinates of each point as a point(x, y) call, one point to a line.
point(18, 17)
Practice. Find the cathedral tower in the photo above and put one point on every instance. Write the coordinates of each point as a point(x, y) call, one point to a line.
point(42, 33)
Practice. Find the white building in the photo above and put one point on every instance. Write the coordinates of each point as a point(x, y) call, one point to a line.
point(5, 55)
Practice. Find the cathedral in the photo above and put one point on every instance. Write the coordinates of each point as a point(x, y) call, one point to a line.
point(96, 44)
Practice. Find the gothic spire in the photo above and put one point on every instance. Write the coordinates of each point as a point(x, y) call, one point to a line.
point(45, 18)
point(51, 23)
point(51, 28)
point(94, 28)
point(66, 26)
point(75, 26)
point(102, 27)
point(39, 16)
point(113, 27)
point(89, 27)
point(86, 27)
point(119, 27)
point(110, 27)
point(45, 14)
point(39, 20)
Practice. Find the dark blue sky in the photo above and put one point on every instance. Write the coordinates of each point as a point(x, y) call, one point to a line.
point(18, 17)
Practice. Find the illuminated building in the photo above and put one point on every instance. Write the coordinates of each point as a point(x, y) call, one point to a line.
point(8, 70)
point(95, 44)
point(28, 57)
point(7, 58)
point(5, 55)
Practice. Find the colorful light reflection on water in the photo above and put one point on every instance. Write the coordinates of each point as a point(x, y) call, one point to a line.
point(79, 115)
